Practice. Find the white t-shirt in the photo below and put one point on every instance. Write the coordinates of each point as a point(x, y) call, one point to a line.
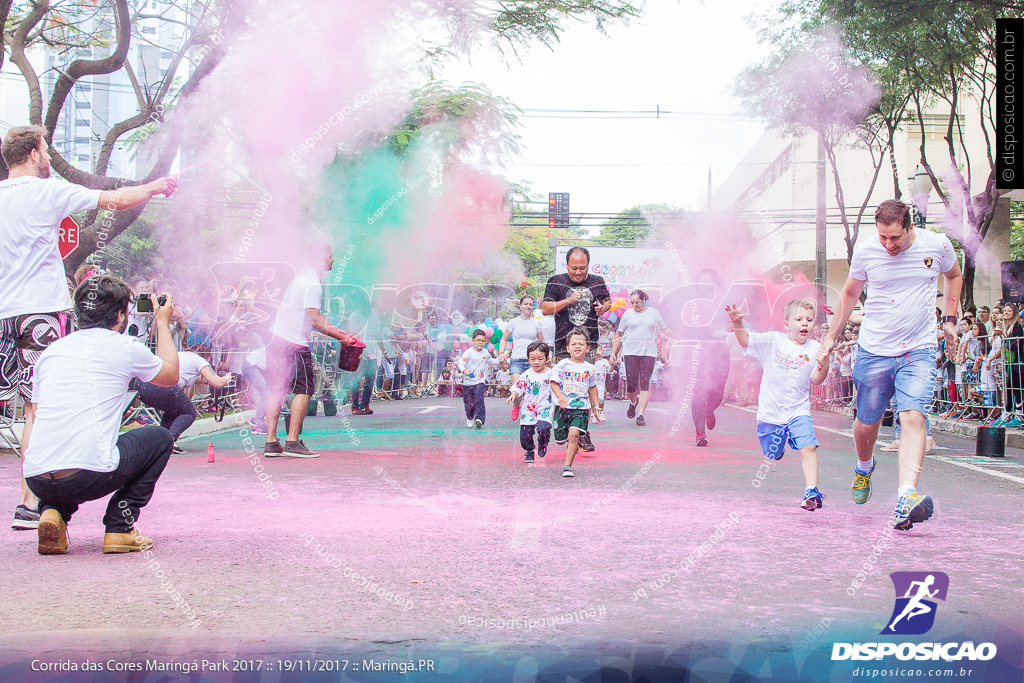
point(988, 375)
point(257, 359)
point(190, 365)
point(474, 363)
point(32, 276)
point(786, 382)
point(292, 323)
point(80, 386)
point(899, 314)
point(640, 332)
point(524, 332)
point(535, 387)
point(575, 379)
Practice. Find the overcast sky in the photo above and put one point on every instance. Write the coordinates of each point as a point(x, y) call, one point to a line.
point(682, 56)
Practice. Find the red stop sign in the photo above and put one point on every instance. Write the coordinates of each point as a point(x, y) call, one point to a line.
point(67, 239)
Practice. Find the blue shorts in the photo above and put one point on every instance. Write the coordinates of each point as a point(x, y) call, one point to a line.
point(518, 366)
point(990, 399)
point(909, 377)
point(799, 432)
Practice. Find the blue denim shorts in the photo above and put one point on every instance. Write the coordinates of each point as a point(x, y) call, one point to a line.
point(518, 366)
point(798, 432)
point(909, 377)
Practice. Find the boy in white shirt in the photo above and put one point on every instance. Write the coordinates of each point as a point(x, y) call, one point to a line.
point(534, 386)
point(784, 409)
point(472, 364)
point(574, 385)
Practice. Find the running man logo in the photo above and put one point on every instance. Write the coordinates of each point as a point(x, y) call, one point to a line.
point(914, 613)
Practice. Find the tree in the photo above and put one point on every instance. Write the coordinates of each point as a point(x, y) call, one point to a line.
point(816, 85)
point(943, 52)
point(209, 29)
point(634, 225)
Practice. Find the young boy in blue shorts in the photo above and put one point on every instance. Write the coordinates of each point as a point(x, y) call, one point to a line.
point(792, 362)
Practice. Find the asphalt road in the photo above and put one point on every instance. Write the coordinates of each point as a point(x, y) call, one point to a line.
point(475, 555)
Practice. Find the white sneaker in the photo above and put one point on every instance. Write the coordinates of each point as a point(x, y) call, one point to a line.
point(894, 446)
point(567, 472)
point(470, 423)
point(929, 444)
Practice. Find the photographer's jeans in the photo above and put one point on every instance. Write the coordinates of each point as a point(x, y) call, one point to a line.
point(144, 454)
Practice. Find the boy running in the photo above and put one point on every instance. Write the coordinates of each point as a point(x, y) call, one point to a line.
point(603, 370)
point(575, 387)
point(473, 365)
point(784, 409)
point(533, 391)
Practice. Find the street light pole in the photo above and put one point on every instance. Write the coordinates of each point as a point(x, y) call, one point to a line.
point(820, 274)
point(920, 187)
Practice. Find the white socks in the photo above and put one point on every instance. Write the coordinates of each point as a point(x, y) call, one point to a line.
point(905, 489)
point(865, 467)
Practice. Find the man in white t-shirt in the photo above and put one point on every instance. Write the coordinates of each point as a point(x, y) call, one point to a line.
point(178, 412)
point(289, 360)
point(896, 354)
point(75, 453)
point(33, 285)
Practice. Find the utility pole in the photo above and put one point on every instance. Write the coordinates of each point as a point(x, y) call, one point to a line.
point(820, 274)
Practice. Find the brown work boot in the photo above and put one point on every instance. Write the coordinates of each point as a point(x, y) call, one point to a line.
point(297, 449)
point(125, 543)
point(53, 533)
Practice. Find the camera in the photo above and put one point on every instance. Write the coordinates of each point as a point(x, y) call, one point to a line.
point(144, 302)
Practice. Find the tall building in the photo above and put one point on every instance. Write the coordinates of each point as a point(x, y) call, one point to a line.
point(97, 103)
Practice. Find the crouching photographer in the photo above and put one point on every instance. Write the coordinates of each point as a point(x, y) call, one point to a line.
point(73, 453)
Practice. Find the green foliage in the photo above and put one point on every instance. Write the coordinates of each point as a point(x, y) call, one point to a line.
point(518, 22)
point(1017, 240)
point(639, 223)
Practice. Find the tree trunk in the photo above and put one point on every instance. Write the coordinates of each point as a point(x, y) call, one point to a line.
point(967, 289)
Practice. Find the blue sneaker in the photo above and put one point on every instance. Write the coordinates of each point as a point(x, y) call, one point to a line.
point(912, 508)
point(1013, 422)
point(813, 499)
point(862, 485)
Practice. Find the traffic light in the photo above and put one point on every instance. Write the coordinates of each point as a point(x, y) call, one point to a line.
point(558, 209)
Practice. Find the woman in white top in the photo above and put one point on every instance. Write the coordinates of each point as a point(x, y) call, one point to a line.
point(525, 329)
point(637, 342)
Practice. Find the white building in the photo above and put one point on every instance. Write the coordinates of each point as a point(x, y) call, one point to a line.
point(97, 103)
point(775, 186)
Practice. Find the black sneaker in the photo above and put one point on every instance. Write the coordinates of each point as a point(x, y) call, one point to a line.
point(177, 450)
point(542, 450)
point(273, 449)
point(640, 422)
point(702, 440)
point(631, 411)
point(586, 445)
point(529, 456)
point(25, 518)
point(297, 449)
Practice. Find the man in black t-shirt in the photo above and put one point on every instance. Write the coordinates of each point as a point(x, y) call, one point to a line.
point(576, 299)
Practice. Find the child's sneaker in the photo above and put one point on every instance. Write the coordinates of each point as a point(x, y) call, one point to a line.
point(567, 472)
point(529, 456)
point(640, 422)
point(470, 423)
point(631, 410)
point(862, 485)
point(515, 412)
point(912, 508)
point(813, 499)
point(542, 450)
point(478, 422)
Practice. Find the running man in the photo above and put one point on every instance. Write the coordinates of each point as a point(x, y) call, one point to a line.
point(915, 607)
point(897, 344)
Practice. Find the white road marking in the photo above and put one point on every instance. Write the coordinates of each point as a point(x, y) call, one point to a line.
point(429, 409)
